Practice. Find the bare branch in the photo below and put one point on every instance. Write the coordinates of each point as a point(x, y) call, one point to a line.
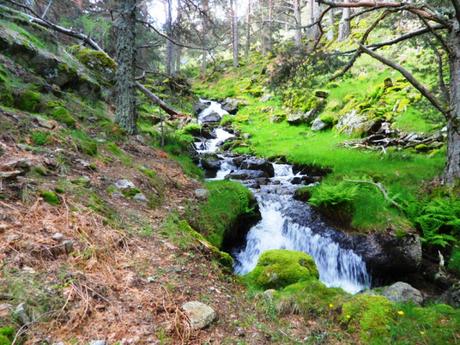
point(410, 78)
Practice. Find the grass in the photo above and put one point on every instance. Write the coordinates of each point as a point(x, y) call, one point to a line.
point(228, 201)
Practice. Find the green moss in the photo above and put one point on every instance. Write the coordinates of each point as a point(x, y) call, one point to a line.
point(84, 143)
point(371, 317)
point(311, 298)
point(39, 138)
point(279, 268)
point(93, 59)
point(130, 192)
point(193, 129)
point(454, 261)
point(28, 100)
point(119, 153)
point(303, 194)
point(50, 197)
point(228, 202)
point(4, 340)
point(62, 115)
point(7, 331)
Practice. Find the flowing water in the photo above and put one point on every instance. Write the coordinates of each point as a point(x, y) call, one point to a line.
point(288, 224)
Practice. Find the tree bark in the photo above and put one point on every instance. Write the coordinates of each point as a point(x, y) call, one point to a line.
point(205, 32)
point(248, 30)
point(344, 25)
point(235, 38)
point(298, 23)
point(330, 25)
point(125, 101)
point(452, 171)
point(169, 44)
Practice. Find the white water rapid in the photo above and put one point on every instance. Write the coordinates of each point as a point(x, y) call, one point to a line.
point(288, 224)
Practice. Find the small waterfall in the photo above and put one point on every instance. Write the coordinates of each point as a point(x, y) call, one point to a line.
point(288, 224)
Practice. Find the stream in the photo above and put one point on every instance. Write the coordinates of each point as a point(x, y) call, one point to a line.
point(285, 222)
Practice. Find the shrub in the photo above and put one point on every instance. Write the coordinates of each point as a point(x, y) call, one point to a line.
point(454, 261)
point(279, 268)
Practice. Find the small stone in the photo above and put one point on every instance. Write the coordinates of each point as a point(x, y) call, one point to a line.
point(318, 125)
point(5, 310)
point(240, 332)
point(124, 184)
point(140, 197)
point(58, 237)
point(269, 294)
point(201, 194)
point(20, 314)
point(49, 124)
point(151, 279)
point(401, 292)
point(68, 246)
point(199, 314)
point(97, 342)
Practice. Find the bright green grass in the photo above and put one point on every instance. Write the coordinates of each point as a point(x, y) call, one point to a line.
point(402, 173)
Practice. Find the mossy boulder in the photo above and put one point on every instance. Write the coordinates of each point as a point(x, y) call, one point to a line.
point(371, 317)
point(28, 100)
point(279, 268)
point(98, 62)
point(63, 116)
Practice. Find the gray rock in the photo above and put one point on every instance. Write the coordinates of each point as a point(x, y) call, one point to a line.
point(318, 125)
point(295, 118)
point(97, 342)
point(245, 174)
point(231, 105)
point(68, 246)
point(269, 294)
point(452, 295)
point(124, 184)
point(58, 237)
point(259, 164)
point(402, 292)
point(201, 194)
point(199, 314)
point(200, 106)
point(140, 197)
point(213, 117)
point(353, 123)
point(211, 163)
point(310, 115)
point(20, 314)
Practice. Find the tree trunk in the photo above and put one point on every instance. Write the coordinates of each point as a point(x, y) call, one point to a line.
point(452, 172)
point(235, 38)
point(344, 25)
point(267, 29)
point(298, 23)
point(248, 31)
point(169, 44)
point(204, 40)
point(313, 10)
point(330, 25)
point(125, 101)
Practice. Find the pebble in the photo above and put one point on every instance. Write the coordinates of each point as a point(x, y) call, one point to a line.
point(58, 237)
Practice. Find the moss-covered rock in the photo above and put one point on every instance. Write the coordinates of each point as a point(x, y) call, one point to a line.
point(370, 316)
point(279, 268)
point(28, 100)
point(96, 60)
point(62, 115)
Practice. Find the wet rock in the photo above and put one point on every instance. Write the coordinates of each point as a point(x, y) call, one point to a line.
point(200, 106)
point(245, 175)
point(452, 295)
point(201, 194)
point(259, 164)
point(211, 162)
point(302, 194)
point(390, 257)
point(401, 292)
point(310, 170)
point(318, 125)
point(199, 314)
point(238, 160)
point(212, 117)
point(353, 123)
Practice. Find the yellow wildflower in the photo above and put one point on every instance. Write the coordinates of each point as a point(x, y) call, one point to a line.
point(331, 305)
point(400, 313)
